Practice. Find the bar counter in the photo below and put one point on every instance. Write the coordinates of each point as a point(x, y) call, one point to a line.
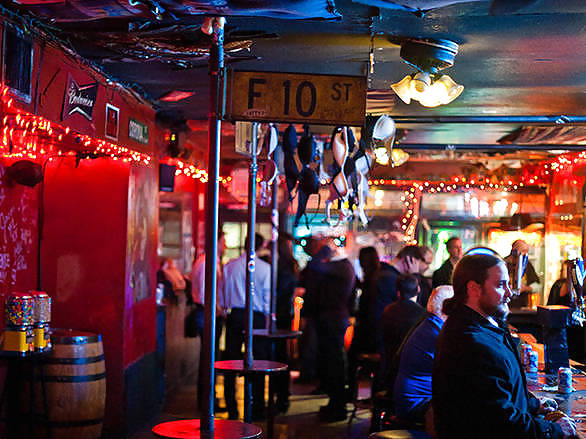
point(573, 404)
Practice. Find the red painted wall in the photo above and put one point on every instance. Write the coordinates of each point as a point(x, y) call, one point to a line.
point(18, 236)
point(84, 254)
point(84, 260)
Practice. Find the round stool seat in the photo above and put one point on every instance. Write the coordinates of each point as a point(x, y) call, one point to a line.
point(190, 429)
point(399, 434)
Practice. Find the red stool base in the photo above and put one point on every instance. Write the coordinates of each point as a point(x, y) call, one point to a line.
point(190, 429)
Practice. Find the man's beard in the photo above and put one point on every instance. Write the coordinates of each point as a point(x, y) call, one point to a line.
point(499, 312)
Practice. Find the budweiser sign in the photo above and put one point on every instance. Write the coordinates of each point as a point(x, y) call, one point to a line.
point(79, 98)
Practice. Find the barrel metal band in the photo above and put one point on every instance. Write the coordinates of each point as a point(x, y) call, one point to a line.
point(83, 360)
point(76, 339)
point(74, 379)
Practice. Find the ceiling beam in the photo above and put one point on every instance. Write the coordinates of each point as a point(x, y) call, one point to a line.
point(487, 147)
point(525, 120)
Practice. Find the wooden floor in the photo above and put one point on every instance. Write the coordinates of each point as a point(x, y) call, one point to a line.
point(300, 422)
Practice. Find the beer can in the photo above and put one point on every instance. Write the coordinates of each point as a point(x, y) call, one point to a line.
point(532, 361)
point(565, 380)
point(528, 350)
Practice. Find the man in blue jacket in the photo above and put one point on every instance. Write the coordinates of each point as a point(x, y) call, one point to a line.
point(412, 386)
point(479, 387)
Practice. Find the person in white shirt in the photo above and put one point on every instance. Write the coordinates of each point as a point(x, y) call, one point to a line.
point(233, 298)
point(198, 299)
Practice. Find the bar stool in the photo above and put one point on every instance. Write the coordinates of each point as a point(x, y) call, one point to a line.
point(382, 404)
point(399, 434)
point(278, 334)
point(259, 367)
point(367, 363)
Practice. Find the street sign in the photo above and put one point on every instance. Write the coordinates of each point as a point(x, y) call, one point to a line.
point(294, 97)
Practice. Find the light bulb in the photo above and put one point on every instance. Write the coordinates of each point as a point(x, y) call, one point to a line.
point(381, 156)
point(435, 95)
point(399, 156)
point(420, 83)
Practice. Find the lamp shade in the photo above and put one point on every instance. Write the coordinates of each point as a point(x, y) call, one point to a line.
point(403, 89)
point(453, 90)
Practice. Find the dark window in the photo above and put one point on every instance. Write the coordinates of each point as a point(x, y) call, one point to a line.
point(18, 60)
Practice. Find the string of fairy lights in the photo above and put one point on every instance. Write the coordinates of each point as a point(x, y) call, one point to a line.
point(27, 136)
point(539, 176)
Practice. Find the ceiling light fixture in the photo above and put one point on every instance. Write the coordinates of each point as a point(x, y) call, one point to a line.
point(426, 86)
point(176, 95)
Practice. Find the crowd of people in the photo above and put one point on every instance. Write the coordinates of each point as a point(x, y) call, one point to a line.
point(448, 362)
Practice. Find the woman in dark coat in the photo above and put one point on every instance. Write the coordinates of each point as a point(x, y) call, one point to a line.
point(286, 283)
point(364, 340)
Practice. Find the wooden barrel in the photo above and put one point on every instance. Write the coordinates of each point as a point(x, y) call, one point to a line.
point(75, 383)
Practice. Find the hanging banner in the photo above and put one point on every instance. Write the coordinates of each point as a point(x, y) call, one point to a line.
point(79, 99)
point(293, 97)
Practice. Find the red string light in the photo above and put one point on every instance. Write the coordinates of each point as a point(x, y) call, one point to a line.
point(27, 136)
point(539, 175)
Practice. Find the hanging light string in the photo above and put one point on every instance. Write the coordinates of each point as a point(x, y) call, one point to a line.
point(539, 175)
point(190, 170)
point(26, 136)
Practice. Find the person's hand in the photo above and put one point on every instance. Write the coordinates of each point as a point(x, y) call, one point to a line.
point(411, 264)
point(547, 405)
point(299, 292)
point(526, 289)
point(568, 426)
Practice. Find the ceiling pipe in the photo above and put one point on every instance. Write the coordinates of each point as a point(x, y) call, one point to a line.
point(538, 120)
point(485, 147)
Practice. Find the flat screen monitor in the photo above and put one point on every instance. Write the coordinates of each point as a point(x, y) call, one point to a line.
point(166, 177)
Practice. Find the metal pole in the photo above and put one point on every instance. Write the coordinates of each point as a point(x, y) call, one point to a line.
point(540, 120)
point(250, 264)
point(274, 251)
point(216, 64)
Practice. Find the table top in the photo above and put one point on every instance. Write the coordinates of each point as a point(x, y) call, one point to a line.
point(28, 356)
point(258, 366)
point(190, 429)
point(573, 404)
point(278, 333)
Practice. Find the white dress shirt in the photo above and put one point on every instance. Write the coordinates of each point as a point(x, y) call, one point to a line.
point(234, 285)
